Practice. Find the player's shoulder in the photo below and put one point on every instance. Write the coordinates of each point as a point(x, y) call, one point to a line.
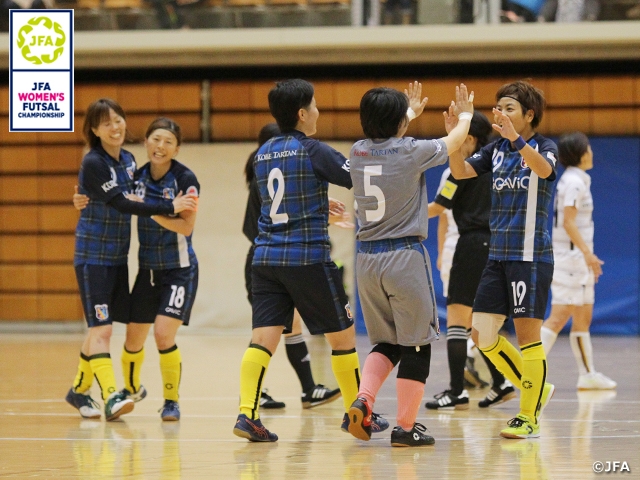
point(181, 170)
point(142, 172)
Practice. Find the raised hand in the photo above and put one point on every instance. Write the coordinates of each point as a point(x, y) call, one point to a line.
point(464, 100)
point(80, 201)
point(336, 207)
point(504, 126)
point(185, 202)
point(450, 120)
point(414, 93)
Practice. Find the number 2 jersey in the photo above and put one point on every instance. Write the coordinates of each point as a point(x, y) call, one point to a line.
point(520, 200)
point(162, 249)
point(390, 188)
point(293, 173)
point(103, 233)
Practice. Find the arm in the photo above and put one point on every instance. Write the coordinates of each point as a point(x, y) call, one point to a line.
point(179, 204)
point(535, 161)
point(569, 224)
point(460, 168)
point(435, 209)
point(443, 226)
point(183, 224)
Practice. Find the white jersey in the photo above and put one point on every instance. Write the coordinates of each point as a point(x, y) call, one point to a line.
point(574, 190)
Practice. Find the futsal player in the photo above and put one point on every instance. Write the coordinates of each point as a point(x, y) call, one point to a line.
point(516, 280)
point(393, 269)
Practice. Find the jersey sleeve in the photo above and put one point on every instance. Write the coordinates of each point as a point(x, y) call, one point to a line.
point(447, 196)
point(428, 153)
point(481, 160)
point(574, 190)
point(97, 181)
point(329, 164)
point(549, 151)
point(188, 183)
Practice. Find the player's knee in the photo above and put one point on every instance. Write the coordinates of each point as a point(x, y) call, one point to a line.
point(486, 327)
point(101, 333)
point(415, 363)
point(392, 352)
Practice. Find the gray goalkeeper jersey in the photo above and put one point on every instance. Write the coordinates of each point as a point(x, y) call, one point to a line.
point(389, 185)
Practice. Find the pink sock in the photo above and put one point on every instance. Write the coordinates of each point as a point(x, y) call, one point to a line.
point(377, 368)
point(409, 398)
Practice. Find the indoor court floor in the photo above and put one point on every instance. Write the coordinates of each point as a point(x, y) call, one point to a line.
point(43, 437)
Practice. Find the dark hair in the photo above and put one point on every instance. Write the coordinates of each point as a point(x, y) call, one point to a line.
point(382, 111)
point(286, 99)
point(165, 124)
point(267, 132)
point(530, 97)
point(480, 129)
point(571, 148)
point(97, 113)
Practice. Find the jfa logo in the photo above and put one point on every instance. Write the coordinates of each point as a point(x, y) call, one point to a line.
point(41, 40)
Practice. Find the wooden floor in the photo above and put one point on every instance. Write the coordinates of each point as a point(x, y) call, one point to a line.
point(42, 437)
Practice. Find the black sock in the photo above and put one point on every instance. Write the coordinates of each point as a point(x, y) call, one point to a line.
point(497, 378)
point(300, 361)
point(457, 353)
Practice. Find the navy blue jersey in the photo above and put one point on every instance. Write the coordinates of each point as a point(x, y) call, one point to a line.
point(293, 173)
point(520, 200)
point(161, 249)
point(103, 233)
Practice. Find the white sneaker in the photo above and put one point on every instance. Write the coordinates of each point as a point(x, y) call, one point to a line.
point(595, 381)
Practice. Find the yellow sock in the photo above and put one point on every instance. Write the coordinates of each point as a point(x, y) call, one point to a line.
point(103, 371)
point(131, 366)
point(84, 377)
point(534, 375)
point(171, 369)
point(346, 368)
point(252, 371)
point(507, 360)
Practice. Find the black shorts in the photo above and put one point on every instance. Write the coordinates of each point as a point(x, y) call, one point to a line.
point(247, 273)
point(168, 292)
point(316, 291)
point(104, 291)
point(514, 289)
point(469, 260)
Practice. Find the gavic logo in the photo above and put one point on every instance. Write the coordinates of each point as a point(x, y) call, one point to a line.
point(41, 40)
point(518, 183)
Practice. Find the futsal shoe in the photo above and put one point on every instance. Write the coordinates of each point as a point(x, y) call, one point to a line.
point(521, 427)
point(360, 419)
point(137, 396)
point(86, 405)
point(547, 393)
point(447, 400)
point(498, 395)
point(595, 381)
point(116, 405)
point(253, 430)
point(170, 411)
point(319, 395)
point(378, 423)
point(416, 437)
point(267, 401)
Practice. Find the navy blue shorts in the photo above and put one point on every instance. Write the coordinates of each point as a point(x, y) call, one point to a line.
point(104, 291)
point(168, 292)
point(514, 289)
point(315, 290)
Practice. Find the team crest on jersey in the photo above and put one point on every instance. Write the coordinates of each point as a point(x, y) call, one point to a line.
point(102, 312)
point(192, 190)
point(130, 171)
point(523, 164)
point(168, 193)
point(347, 308)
